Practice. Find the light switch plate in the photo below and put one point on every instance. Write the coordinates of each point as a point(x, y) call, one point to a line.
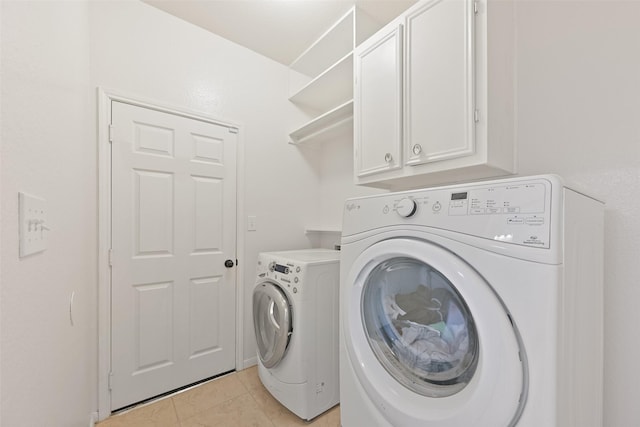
point(251, 223)
point(33, 226)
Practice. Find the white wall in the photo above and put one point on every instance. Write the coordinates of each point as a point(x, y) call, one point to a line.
point(1, 225)
point(579, 116)
point(54, 54)
point(139, 50)
point(336, 185)
point(48, 366)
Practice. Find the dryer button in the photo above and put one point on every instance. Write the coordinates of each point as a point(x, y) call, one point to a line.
point(296, 280)
point(295, 290)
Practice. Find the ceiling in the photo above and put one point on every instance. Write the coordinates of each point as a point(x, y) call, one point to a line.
point(278, 29)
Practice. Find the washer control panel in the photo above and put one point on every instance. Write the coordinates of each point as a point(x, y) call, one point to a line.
point(514, 210)
point(285, 272)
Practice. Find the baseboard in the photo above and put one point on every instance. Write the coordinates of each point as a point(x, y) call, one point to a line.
point(247, 363)
point(93, 419)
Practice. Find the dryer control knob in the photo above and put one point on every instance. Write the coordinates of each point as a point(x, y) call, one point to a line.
point(406, 207)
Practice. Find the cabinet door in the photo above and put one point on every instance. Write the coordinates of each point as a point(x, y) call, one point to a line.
point(378, 103)
point(439, 85)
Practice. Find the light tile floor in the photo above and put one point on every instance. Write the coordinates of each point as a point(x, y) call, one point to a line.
point(235, 400)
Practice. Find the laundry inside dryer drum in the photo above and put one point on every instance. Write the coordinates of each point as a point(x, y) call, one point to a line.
point(419, 327)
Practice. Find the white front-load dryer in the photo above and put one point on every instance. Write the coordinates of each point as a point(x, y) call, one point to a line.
point(295, 314)
point(472, 305)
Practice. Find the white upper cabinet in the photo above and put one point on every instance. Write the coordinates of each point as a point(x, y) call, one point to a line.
point(378, 89)
point(439, 96)
point(324, 73)
point(452, 120)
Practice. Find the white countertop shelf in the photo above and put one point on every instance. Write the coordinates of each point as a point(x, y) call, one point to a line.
point(321, 229)
point(329, 89)
point(325, 127)
point(322, 78)
point(336, 42)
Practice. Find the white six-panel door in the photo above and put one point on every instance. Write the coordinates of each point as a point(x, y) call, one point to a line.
point(173, 227)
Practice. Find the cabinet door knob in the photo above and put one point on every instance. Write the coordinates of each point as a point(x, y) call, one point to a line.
point(417, 149)
point(388, 157)
point(229, 263)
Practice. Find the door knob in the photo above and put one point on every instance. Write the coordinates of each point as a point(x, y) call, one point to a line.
point(229, 263)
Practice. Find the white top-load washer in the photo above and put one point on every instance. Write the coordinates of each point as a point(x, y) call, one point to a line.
point(473, 305)
point(295, 314)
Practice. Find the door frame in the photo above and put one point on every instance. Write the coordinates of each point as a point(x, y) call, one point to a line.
point(105, 98)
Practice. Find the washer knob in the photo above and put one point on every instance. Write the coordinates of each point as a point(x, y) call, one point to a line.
point(406, 207)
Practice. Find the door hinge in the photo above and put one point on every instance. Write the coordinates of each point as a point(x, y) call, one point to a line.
point(110, 257)
point(233, 130)
point(110, 381)
point(475, 7)
point(110, 134)
point(476, 116)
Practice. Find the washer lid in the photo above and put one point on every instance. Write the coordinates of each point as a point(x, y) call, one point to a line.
point(272, 321)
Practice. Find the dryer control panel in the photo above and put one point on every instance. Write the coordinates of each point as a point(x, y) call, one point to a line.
point(515, 210)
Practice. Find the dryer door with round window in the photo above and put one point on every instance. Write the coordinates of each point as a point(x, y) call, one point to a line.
point(428, 338)
point(419, 327)
point(273, 323)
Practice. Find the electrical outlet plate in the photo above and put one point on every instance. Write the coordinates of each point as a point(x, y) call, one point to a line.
point(33, 229)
